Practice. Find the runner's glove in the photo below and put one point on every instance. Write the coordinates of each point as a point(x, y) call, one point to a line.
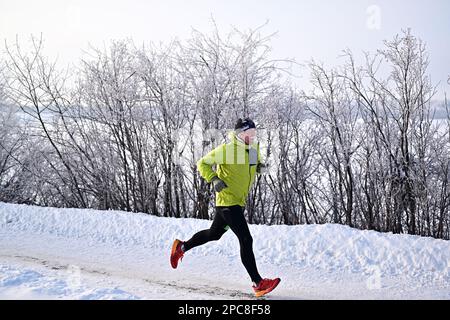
point(218, 184)
point(262, 168)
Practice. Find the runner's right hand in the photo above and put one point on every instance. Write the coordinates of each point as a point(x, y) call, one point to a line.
point(218, 184)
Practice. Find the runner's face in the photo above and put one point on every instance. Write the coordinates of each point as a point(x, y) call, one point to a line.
point(248, 136)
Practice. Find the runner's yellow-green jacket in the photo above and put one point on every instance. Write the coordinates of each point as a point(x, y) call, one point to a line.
point(235, 164)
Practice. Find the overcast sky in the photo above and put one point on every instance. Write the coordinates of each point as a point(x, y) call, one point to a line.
point(306, 29)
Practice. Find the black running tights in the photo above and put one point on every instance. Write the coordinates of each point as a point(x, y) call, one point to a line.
point(232, 217)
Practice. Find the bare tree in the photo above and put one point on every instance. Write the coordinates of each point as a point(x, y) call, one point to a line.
point(36, 87)
point(337, 114)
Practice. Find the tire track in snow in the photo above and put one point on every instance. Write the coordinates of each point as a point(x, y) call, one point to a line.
point(213, 291)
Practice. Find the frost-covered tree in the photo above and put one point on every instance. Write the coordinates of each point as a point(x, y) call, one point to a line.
point(124, 128)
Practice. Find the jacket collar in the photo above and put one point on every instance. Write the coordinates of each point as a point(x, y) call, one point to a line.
point(234, 139)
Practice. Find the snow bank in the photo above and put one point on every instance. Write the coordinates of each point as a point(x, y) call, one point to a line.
point(322, 247)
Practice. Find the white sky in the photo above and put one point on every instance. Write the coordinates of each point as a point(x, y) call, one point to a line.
point(306, 29)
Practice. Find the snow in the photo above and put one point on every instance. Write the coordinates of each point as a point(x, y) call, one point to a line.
point(20, 283)
point(51, 253)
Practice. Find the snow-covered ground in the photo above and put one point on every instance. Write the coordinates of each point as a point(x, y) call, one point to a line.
point(49, 253)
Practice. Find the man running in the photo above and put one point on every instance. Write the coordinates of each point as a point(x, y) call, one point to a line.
point(236, 163)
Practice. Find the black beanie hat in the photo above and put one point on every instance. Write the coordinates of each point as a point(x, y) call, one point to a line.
point(244, 125)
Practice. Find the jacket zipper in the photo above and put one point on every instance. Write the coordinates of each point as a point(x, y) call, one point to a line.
point(249, 177)
point(249, 172)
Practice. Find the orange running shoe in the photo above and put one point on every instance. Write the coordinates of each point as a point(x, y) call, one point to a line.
point(265, 286)
point(176, 254)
